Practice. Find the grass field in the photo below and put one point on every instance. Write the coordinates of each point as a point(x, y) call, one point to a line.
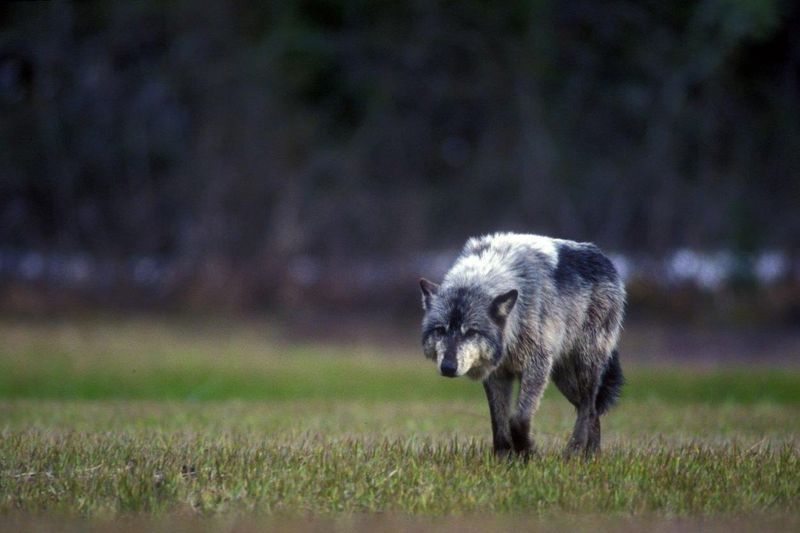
point(152, 421)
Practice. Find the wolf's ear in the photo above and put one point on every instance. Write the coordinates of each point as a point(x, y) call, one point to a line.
point(429, 290)
point(502, 306)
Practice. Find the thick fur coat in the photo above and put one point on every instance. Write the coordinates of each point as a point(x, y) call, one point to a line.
point(531, 308)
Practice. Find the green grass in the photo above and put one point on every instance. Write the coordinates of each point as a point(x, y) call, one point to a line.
point(105, 420)
point(75, 360)
point(122, 472)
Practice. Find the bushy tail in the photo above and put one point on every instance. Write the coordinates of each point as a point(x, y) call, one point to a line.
point(611, 384)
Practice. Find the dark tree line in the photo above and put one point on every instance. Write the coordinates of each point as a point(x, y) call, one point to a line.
point(260, 132)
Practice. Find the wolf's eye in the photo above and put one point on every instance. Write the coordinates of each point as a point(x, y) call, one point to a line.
point(439, 330)
point(471, 333)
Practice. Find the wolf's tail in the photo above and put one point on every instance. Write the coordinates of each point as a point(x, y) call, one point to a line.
point(611, 384)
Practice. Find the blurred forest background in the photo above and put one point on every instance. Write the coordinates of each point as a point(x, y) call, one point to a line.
point(308, 156)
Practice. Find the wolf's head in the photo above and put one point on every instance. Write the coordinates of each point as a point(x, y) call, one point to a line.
point(464, 328)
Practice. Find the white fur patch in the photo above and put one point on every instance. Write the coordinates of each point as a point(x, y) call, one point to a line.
point(495, 255)
point(540, 243)
point(467, 355)
point(553, 336)
point(440, 349)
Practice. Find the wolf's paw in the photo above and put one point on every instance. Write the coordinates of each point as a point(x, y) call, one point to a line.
point(502, 453)
point(577, 451)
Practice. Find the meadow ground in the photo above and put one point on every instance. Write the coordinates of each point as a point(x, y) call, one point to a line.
point(178, 425)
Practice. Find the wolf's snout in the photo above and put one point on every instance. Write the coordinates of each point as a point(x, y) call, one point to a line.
point(449, 368)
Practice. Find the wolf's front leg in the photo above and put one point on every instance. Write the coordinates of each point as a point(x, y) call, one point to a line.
point(498, 393)
point(532, 385)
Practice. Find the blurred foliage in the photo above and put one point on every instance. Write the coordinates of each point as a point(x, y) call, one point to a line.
point(337, 128)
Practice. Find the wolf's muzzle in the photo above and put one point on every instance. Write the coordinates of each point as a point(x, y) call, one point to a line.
point(449, 368)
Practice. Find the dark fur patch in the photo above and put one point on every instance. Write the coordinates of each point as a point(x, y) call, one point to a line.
point(458, 309)
point(521, 435)
point(577, 264)
point(497, 348)
point(563, 375)
point(451, 350)
point(611, 383)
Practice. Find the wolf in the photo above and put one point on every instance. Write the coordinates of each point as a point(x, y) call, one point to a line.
point(530, 308)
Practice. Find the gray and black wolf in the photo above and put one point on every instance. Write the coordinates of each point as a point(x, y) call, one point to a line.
point(529, 308)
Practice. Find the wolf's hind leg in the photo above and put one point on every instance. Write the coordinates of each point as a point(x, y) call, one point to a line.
point(593, 444)
point(583, 435)
point(579, 382)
